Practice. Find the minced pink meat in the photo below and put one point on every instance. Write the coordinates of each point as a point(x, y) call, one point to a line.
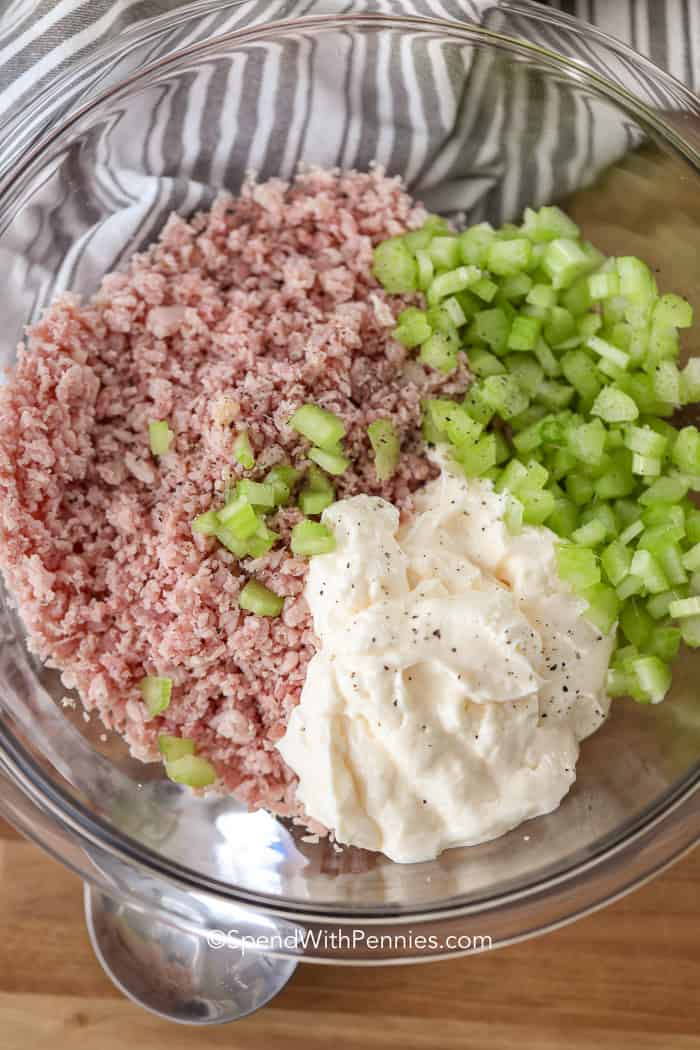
point(230, 321)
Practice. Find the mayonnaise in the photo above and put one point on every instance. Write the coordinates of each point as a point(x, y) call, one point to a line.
point(455, 675)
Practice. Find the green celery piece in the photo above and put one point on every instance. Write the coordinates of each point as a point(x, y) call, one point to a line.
point(614, 406)
point(673, 311)
point(475, 242)
point(452, 281)
point(310, 538)
point(636, 623)
point(331, 460)
point(386, 443)
point(439, 352)
point(412, 328)
point(206, 524)
point(603, 606)
point(258, 599)
point(491, 327)
point(256, 493)
point(524, 333)
point(509, 257)
point(160, 437)
point(654, 677)
point(322, 428)
point(192, 771)
point(156, 693)
point(505, 396)
point(395, 267)
point(616, 559)
point(174, 747)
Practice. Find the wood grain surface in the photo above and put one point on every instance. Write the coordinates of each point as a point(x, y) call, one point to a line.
point(626, 978)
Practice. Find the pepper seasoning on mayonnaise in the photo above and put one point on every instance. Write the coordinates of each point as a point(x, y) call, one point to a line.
point(455, 677)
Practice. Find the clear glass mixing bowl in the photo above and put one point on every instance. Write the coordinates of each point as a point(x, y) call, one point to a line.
point(525, 107)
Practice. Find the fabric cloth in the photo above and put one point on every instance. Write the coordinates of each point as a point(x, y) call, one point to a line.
point(468, 132)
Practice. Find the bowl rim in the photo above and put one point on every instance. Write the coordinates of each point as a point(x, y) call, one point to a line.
point(681, 802)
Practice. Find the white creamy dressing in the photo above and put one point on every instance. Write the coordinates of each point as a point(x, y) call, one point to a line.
point(455, 676)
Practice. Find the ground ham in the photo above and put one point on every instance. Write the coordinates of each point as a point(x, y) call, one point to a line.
point(231, 320)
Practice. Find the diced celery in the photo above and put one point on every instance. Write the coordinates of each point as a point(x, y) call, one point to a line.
point(690, 631)
point(560, 326)
point(631, 532)
point(156, 693)
point(231, 542)
point(477, 457)
point(674, 311)
point(548, 361)
point(542, 295)
point(461, 428)
point(603, 606)
point(503, 449)
point(666, 382)
point(444, 252)
point(614, 406)
point(603, 285)
point(475, 242)
point(263, 541)
point(255, 493)
point(452, 281)
point(616, 560)
point(548, 223)
point(509, 257)
point(686, 450)
point(691, 559)
point(587, 441)
point(331, 460)
point(239, 518)
point(524, 333)
point(258, 599)
point(577, 299)
point(386, 444)
point(589, 535)
point(646, 466)
point(692, 525)
point(453, 308)
point(484, 363)
point(412, 328)
point(629, 586)
point(645, 441)
point(174, 747)
point(654, 677)
point(395, 267)
point(192, 771)
point(555, 395)
point(526, 369)
point(538, 504)
point(626, 511)
point(608, 351)
point(636, 623)
point(476, 406)
point(669, 516)
point(282, 478)
point(564, 261)
point(504, 395)
point(529, 439)
point(439, 352)
point(160, 437)
point(322, 428)
point(564, 517)
point(206, 524)
point(491, 327)
point(577, 566)
point(690, 381)
point(665, 643)
point(636, 281)
point(646, 567)
point(617, 682)
point(425, 271)
point(317, 493)
point(485, 289)
point(516, 286)
point(664, 490)
point(579, 488)
point(588, 325)
point(312, 537)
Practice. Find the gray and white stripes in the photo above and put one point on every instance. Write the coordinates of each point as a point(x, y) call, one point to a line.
point(428, 107)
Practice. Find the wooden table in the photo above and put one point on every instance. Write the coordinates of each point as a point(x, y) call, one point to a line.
point(628, 977)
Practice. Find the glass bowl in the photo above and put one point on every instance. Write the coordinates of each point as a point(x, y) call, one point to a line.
point(524, 107)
